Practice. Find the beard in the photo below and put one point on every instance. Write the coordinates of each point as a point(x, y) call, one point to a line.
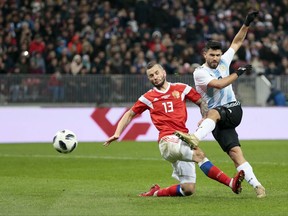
point(213, 64)
point(160, 84)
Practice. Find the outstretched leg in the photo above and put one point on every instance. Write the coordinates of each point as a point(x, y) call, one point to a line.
point(155, 190)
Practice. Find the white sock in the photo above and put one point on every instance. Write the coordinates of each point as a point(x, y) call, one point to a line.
point(205, 128)
point(249, 174)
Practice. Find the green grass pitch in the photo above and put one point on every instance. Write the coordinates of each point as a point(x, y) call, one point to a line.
point(97, 180)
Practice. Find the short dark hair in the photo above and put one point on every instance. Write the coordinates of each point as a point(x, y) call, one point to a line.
point(150, 64)
point(214, 45)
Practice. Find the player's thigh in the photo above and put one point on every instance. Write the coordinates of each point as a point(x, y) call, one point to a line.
point(170, 151)
point(173, 149)
point(227, 138)
point(184, 172)
point(229, 117)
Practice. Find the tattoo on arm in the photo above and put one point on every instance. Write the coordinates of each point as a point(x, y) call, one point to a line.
point(203, 108)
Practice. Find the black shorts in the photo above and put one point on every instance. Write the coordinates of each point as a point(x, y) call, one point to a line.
point(224, 132)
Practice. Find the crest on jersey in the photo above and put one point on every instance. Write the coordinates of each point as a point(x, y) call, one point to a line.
point(222, 68)
point(175, 94)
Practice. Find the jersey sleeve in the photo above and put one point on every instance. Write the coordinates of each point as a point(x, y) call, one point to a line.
point(227, 57)
point(191, 94)
point(139, 107)
point(201, 78)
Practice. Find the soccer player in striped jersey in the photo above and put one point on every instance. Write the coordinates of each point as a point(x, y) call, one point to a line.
point(166, 103)
point(214, 82)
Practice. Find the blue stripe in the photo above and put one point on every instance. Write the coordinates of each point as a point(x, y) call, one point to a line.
point(178, 190)
point(206, 167)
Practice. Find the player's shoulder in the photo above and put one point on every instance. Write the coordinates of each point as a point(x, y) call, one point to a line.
point(228, 54)
point(149, 92)
point(181, 87)
point(178, 85)
point(199, 70)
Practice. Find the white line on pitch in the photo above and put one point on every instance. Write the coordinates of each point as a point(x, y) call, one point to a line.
point(69, 156)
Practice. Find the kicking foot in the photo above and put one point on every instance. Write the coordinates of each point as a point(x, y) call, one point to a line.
point(151, 192)
point(237, 180)
point(190, 139)
point(260, 191)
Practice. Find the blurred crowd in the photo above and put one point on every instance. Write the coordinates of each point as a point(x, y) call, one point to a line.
point(121, 36)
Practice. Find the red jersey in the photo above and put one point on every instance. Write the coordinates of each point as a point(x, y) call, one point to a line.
point(167, 109)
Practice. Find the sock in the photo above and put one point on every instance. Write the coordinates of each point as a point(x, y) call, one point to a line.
point(174, 190)
point(249, 174)
point(214, 172)
point(205, 128)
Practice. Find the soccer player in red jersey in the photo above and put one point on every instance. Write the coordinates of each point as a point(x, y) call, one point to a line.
point(166, 103)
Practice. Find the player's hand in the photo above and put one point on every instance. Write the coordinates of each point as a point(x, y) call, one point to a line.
point(246, 69)
point(110, 140)
point(250, 17)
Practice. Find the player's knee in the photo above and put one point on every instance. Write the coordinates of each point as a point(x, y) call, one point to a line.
point(237, 156)
point(198, 155)
point(188, 189)
point(214, 115)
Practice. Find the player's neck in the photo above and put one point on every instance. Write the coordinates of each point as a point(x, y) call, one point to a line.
point(163, 87)
point(206, 65)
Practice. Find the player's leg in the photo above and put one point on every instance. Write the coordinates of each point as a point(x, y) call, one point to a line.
point(229, 142)
point(183, 171)
point(236, 155)
point(206, 126)
point(213, 172)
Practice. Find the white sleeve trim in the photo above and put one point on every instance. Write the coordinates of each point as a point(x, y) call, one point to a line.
point(186, 91)
point(146, 101)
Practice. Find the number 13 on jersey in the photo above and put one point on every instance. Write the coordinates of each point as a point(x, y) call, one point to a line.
point(168, 106)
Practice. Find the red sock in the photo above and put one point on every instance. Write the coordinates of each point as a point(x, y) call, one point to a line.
point(173, 190)
point(218, 175)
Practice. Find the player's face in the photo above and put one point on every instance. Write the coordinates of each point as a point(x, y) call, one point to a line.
point(157, 76)
point(212, 58)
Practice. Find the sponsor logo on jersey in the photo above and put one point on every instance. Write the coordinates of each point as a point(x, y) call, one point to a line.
point(165, 96)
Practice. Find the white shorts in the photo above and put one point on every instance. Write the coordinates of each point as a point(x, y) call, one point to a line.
point(180, 155)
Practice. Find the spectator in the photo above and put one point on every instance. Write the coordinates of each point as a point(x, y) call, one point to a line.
point(56, 87)
point(37, 64)
point(158, 27)
point(37, 45)
point(18, 89)
point(23, 64)
point(156, 44)
point(277, 97)
point(75, 45)
point(76, 65)
point(86, 62)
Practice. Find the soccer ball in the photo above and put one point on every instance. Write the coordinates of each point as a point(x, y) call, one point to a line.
point(65, 141)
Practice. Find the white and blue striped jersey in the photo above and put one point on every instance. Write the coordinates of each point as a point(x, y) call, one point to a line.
point(203, 75)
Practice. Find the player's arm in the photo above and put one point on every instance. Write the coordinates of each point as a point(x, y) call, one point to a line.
point(203, 107)
point(240, 36)
point(222, 83)
point(124, 121)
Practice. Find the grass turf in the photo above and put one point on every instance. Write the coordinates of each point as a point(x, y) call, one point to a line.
point(97, 180)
